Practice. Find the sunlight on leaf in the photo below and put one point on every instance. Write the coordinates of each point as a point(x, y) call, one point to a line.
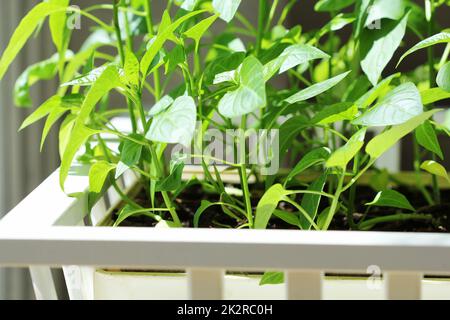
point(378, 47)
point(398, 106)
point(342, 156)
point(268, 203)
point(427, 138)
point(443, 37)
point(251, 94)
point(316, 89)
point(24, 31)
point(391, 198)
point(435, 168)
point(97, 175)
point(383, 142)
point(443, 77)
point(176, 124)
point(226, 8)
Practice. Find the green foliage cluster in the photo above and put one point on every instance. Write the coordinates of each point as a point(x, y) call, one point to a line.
point(203, 60)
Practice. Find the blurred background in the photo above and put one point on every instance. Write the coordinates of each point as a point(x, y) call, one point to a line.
point(23, 166)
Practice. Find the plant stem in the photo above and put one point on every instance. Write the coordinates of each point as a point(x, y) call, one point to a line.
point(432, 83)
point(331, 48)
point(117, 30)
point(261, 25)
point(393, 218)
point(352, 196)
point(303, 212)
point(122, 195)
point(244, 21)
point(149, 22)
point(419, 183)
point(142, 113)
point(286, 10)
point(243, 173)
point(335, 202)
point(319, 193)
point(165, 195)
point(129, 38)
point(122, 59)
point(360, 173)
point(271, 15)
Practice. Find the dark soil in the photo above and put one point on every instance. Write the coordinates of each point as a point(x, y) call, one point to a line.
point(189, 201)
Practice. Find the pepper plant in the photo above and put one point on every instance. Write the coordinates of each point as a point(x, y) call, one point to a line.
point(200, 65)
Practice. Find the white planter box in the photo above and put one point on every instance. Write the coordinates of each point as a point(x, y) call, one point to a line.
point(46, 229)
point(110, 285)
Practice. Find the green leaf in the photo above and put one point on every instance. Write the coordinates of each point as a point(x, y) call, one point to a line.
point(96, 40)
point(176, 124)
point(332, 5)
point(368, 98)
point(108, 80)
point(228, 76)
point(79, 135)
point(174, 58)
point(163, 35)
point(443, 37)
point(380, 180)
point(383, 142)
point(224, 63)
point(129, 155)
point(288, 217)
point(24, 30)
point(336, 112)
point(398, 106)
point(131, 69)
point(164, 103)
point(385, 9)
point(435, 168)
point(197, 31)
point(316, 89)
point(362, 9)
point(226, 8)
point(52, 118)
point(204, 205)
point(251, 94)
point(128, 211)
point(378, 47)
point(42, 111)
point(310, 202)
point(337, 23)
point(289, 129)
point(322, 218)
point(187, 5)
point(433, 95)
point(312, 158)
point(268, 203)
point(292, 57)
point(68, 102)
point(272, 278)
point(64, 133)
point(391, 198)
point(427, 138)
point(97, 175)
point(173, 181)
point(443, 77)
point(44, 70)
point(58, 24)
point(342, 156)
